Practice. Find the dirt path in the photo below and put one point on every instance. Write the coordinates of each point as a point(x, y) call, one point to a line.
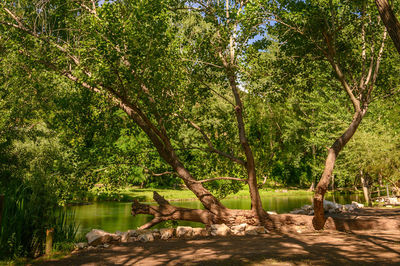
point(311, 248)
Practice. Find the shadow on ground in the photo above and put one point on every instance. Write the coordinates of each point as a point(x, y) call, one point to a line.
point(315, 248)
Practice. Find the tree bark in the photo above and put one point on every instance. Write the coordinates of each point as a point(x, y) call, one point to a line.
point(256, 204)
point(364, 182)
point(1, 207)
point(312, 187)
point(333, 152)
point(391, 22)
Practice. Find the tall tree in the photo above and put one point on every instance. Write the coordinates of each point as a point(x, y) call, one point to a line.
point(327, 29)
point(130, 53)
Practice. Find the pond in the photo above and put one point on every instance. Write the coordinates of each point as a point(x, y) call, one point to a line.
point(113, 216)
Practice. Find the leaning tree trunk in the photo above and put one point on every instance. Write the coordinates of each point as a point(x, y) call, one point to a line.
point(319, 216)
point(391, 22)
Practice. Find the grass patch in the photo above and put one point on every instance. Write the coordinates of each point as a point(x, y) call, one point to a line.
point(146, 194)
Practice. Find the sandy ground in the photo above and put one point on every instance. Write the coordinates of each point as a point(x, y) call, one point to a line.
point(310, 248)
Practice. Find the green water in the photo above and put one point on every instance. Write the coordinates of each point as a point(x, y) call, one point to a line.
point(113, 216)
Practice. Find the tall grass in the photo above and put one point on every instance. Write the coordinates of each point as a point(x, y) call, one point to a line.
point(26, 216)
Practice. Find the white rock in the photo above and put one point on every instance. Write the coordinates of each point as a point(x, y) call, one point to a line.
point(198, 231)
point(348, 207)
point(329, 205)
point(393, 201)
point(255, 230)
point(98, 237)
point(184, 231)
point(220, 230)
point(357, 205)
point(272, 212)
point(166, 233)
point(147, 237)
point(81, 245)
point(238, 230)
point(106, 245)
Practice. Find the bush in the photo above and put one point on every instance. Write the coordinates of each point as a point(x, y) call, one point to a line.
point(28, 212)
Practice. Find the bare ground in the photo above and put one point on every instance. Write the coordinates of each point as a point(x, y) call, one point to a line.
point(380, 246)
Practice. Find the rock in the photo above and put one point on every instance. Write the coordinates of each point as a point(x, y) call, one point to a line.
point(138, 232)
point(198, 231)
point(119, 233)
point(272, 212)
point(357, 205)
point(166, 233)
point(348, 207)
point(124, 237)
point(251, 232)
point(132, 233)
point(98, 237)
point(81, 245)
point(332, 211)
point(298, 211)
point(184, 231)
point(156, 234)
point(307, 207)
point(329, 205)
point(147, 237)
point(220, 230)
point(115, 237)
point(255, 230)
point(238, 230)
point(106, 245)
point(393, 201)
point(131, 239)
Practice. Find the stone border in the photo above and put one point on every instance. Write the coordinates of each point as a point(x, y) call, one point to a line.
point(100, 238)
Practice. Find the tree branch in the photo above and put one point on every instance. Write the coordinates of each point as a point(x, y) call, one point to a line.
point(209, 143)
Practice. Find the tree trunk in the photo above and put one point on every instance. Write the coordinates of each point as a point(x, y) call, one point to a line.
point(391, 22)
point(364, 182)
point(1, 208)
point(312, 187)
point(333, 152)
point(256, 204)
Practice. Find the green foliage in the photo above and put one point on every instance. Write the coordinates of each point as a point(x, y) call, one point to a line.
point(28, 211)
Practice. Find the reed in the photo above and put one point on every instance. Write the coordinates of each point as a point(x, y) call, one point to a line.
point(26, 216)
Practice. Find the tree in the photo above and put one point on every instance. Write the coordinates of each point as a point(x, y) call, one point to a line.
point(326, 30)
point(134, 60)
